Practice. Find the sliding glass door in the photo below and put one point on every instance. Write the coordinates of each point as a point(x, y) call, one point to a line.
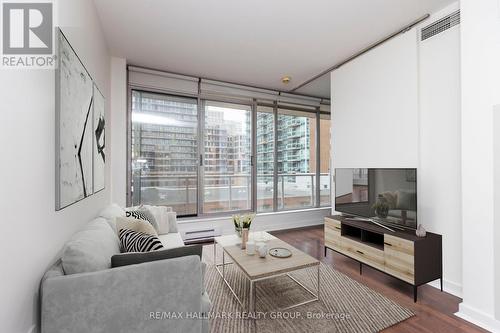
point(227, 173)
point(164, 153)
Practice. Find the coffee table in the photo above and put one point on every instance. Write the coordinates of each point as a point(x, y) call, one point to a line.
point(257, 269)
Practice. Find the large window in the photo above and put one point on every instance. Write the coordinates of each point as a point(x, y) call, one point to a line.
point(296, 160)
point(164, 151)
point(227, 160)
point(197, 155)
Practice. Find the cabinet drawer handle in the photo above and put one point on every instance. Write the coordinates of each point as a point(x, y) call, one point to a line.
point(359, 251)
point(389, 244)
point(337, 228)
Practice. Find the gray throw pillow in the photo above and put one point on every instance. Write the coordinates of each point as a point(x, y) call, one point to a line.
point(90, 249)
point(125, 259)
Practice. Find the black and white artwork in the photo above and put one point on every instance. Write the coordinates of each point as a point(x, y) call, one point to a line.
point(99, 141)
point(74, 127)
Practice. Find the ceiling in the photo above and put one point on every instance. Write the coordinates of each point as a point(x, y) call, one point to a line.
point(252, 42)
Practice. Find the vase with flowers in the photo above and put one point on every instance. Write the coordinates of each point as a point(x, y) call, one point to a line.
point(242, 225)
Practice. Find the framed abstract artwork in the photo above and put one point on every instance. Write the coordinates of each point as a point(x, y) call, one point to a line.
point(79, 129)
point(99, 141)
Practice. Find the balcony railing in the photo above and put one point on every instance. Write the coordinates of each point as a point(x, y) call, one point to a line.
point(229, 192)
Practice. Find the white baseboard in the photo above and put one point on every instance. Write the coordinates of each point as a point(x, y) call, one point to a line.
point(449, 286)
point(478, 317)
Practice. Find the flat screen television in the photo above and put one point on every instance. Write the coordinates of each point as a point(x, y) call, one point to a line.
point(387, 196)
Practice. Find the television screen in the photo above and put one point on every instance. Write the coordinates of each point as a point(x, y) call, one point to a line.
point(387, 196)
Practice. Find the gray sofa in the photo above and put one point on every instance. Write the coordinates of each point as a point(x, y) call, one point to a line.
point(81, 293)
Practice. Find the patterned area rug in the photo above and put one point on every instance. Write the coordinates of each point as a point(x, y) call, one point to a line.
point(345, 305)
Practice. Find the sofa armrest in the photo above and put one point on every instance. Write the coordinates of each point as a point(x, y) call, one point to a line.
point(132, 258)
point(135, 298)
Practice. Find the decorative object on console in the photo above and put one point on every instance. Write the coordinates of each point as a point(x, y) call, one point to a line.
point(133, 241)
point(80, 127)
point(421, 232)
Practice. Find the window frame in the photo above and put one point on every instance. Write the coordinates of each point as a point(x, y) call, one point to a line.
point(254, 105)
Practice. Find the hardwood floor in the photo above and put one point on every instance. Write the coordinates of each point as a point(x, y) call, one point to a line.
point(434, 309)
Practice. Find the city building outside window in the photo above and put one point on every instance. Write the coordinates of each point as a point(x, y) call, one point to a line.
point(208, 170)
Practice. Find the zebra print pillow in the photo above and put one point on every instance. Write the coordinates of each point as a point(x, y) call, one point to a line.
point(134, 241)
point(143, 214)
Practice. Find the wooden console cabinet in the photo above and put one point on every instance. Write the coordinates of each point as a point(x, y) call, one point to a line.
point(400, 254)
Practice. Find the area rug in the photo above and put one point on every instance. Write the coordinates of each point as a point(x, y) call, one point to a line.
point(345, 305)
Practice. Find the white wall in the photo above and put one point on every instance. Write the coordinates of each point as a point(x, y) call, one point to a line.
point(496, 147)
point(439, 169)
point(119, 134)
point(480, 68)
point(399, 106)
point(33, 232)
point(374, 107)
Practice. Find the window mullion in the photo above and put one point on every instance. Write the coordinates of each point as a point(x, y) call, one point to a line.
point(275, 169)
point(201, 155)
point(253, 178)
point(318, 158)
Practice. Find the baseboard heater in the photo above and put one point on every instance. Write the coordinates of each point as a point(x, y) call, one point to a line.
point(200, 234)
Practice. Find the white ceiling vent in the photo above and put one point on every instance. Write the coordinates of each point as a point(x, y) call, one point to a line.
point(441, 25)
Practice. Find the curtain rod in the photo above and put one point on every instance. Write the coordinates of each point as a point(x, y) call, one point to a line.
point(363, 51)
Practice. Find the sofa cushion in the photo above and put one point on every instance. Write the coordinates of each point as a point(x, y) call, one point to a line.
point(172, 221)
point(125, 259)
point(135, 224)
point(133, 241)
point(160, 215)
point(91, 248)
point(142, 214)
point(171, 240)
point(110, 213)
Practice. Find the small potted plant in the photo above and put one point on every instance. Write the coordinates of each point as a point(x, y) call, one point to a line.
point(381, 209)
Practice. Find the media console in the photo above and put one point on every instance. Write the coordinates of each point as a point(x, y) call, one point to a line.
point(401, 254)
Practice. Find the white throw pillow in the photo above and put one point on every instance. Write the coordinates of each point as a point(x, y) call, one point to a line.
point(172, 221)
point(134, 224)
point(110, 213)
point(160, 214)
